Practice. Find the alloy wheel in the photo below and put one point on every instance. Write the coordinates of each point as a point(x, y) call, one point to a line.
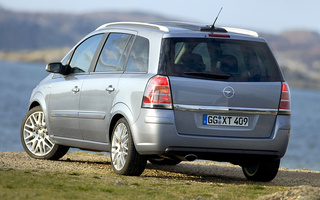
point(119, 149)
point(35, 135)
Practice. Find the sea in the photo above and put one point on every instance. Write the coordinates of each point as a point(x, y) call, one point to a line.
point(17, 80)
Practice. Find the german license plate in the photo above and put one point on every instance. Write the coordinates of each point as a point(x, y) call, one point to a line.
point(221, 120)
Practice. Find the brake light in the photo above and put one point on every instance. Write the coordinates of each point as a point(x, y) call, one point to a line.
point(285, 98)
point(157, 93)
point(219, 35)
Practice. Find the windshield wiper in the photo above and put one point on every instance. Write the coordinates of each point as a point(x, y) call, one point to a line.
point(208, 75)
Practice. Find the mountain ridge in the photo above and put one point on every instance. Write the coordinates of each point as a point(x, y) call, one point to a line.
point(30, 31)
point(297, 51)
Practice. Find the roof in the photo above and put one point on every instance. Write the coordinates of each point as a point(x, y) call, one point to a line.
point(174, 26)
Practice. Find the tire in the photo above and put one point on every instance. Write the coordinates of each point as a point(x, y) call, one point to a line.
point(263, 171)
point(35, 138)
point(125, 159)
point(164, 161)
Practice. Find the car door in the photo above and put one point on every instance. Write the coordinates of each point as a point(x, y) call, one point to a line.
point(100, 88)
point(65, 91)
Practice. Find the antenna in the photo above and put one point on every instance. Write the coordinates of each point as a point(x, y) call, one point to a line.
point(212, 28)
point(216, 18)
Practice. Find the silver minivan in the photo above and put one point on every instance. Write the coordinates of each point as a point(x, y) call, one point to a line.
point(165, 92)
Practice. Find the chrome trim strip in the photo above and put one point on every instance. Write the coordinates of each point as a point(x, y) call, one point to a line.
point(221, 109)
point(92, 115)
point(76, 114)
point(284, 112)
point(64, 113)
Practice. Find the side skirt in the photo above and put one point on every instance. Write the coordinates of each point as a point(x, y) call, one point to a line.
point(86, 145)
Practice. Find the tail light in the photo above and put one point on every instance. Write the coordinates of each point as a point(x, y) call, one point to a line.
point(284, 106)
point(157, 93)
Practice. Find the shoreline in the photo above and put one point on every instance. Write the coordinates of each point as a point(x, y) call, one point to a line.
point(55, 55)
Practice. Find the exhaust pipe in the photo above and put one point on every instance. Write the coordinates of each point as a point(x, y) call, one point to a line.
point(190, 157)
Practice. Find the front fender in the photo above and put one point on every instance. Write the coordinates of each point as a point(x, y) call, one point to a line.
point(40, 96)
point(39, 99)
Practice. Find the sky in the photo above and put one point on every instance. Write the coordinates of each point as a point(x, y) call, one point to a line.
point(271, 16)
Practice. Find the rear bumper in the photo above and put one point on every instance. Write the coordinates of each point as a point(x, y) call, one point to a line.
point(154, 133)
point(224, 155)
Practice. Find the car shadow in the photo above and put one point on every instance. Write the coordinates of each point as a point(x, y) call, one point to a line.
point(209, 172)
point(228, 174)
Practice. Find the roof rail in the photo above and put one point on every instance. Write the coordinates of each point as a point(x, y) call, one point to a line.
point(242, 31)
point(147, 25)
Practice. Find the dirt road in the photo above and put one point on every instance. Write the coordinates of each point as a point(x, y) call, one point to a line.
point(199, 171)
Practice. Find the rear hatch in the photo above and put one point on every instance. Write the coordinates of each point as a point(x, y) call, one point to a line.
point(223, 87)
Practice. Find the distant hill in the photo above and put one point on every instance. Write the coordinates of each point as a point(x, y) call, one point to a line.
point(30, 31)
point(297, 51)
point(298, 54)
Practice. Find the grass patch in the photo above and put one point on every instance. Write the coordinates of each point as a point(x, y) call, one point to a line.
point(74, 174)
point(18, 184)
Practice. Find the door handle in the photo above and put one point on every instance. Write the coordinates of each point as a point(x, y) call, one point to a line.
point(75, 90)
point(110, 89)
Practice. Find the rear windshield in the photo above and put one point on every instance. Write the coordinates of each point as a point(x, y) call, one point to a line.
point(225, 59)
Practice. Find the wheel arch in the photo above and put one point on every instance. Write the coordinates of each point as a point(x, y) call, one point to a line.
point(113, 123)
point(34, 104)
point(118, 111)
point(38, 100)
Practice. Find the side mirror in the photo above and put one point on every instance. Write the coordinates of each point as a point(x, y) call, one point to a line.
point(57, 68)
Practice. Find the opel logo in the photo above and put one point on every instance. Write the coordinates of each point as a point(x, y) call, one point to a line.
point(228, 92)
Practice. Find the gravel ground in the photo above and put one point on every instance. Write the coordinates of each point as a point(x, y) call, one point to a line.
point(304, 184)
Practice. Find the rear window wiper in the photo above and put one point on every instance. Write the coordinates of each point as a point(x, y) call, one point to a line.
point(208, 75)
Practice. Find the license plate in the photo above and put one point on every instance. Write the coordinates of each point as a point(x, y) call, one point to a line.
point(220, 120)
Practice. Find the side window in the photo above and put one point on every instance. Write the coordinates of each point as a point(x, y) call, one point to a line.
point(84, 53)
point(139, 56)
point(114, 52)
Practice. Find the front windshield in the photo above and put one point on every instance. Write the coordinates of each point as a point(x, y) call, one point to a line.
point(231, 60)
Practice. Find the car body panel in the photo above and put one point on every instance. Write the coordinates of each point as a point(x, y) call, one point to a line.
point(257, 101)
point(84, 116)
point(63, 106)
point(164, 136)
point(96, 101)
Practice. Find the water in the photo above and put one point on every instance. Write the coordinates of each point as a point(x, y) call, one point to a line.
point(18, 79)
point(304, 146)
